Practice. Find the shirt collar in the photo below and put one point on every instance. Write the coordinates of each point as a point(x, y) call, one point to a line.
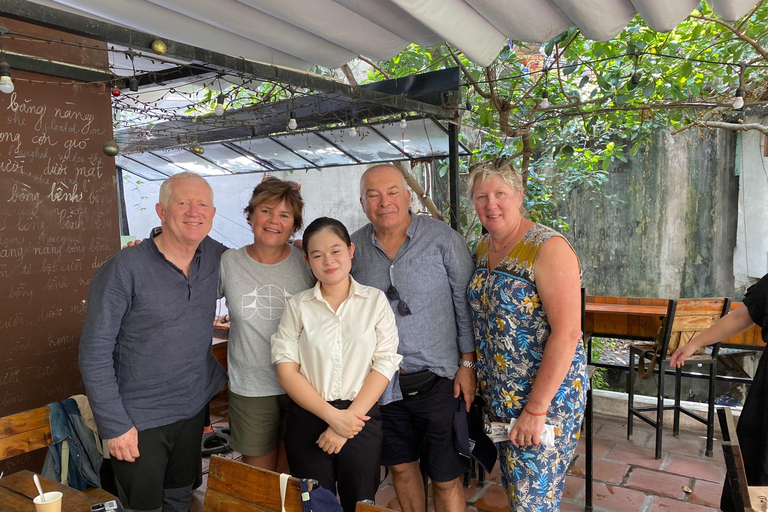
point(355, 288)
point(158, 230)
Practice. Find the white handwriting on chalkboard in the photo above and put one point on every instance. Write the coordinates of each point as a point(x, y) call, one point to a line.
point(20, 291)
point(15, 253)
point(55, 169)
point(12, 166)
point(15, 320)
point(14, 138)
point(27, 107)
point(21, 192)
point(61, 192)
point(75, 115)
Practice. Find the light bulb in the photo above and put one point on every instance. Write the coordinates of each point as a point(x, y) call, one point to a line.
point(738, 101)
point(6, 85)
point(544, 103)
point(403, 123)
point(292, 124)
point(133, 85)
point(219, 109)
point(353, 132)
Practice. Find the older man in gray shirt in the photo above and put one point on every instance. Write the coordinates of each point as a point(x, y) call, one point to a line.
point(424, 267)
point(145, 351)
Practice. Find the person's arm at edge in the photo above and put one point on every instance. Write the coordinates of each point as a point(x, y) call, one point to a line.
point(460, 267)
point(735, 322)
point(559, 288)
point(108, 300)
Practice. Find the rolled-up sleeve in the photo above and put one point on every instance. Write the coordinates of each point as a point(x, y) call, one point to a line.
point(385, 359)
point(459, 266)
point(109, 299)
point(285, 342)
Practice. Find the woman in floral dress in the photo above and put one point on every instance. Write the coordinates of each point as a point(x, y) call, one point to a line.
point(530, 354)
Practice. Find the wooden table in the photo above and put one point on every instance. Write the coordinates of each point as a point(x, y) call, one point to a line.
point(18, 490)
point(632, 321)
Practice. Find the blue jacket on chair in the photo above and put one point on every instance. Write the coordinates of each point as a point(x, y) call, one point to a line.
point(84, 460)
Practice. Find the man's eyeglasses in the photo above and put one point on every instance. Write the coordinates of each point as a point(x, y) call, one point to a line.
point(402, 307)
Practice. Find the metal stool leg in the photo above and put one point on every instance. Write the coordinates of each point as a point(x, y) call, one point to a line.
point(588, 426)
point(678, 390)
point(711, 407)
point(630, 392)
point(660, 410)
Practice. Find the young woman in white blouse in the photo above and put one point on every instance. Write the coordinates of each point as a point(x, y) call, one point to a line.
point(336, 350)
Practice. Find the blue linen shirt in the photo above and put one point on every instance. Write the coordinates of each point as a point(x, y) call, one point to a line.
point(431, 271)
point(145, 350)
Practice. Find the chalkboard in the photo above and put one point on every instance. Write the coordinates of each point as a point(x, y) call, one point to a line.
point(58, 224)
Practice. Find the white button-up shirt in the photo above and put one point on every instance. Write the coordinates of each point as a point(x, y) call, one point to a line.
point(338, 349)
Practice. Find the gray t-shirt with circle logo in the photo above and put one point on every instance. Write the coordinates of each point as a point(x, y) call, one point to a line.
point(256, 294)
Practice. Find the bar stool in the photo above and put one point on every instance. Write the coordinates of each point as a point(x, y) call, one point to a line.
point(684, 319)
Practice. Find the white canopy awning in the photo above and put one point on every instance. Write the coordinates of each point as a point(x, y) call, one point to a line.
point(329, 33)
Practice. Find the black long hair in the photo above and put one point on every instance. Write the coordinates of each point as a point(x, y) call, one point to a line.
point(321, 223)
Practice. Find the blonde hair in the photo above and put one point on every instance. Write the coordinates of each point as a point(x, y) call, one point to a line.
point(482, 172)
point(165, 188)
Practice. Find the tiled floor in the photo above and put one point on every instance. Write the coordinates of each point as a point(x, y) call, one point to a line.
point(627, 477)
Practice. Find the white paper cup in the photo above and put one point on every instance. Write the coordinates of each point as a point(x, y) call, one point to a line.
point(52, 502)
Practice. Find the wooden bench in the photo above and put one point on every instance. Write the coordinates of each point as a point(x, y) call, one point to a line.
point(236, 486)
point(28, 431)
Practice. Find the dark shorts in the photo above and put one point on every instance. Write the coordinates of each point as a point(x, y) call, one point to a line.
point(422, 428)
point(168, 464)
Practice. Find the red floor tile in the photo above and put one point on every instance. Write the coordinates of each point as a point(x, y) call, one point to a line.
point(706, 493)
point(635, 455)
point(702, 468)
point(600, 447)
point(574, 487)
point(602, 470)
point(494, 500)
point(661, 503)
point(613, 497)
point(658, 483)
point(693, 445)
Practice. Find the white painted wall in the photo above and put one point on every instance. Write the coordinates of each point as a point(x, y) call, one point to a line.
point(332, 192)
point(750, 258)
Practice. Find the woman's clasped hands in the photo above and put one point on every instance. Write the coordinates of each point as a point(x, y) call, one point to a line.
point(344, 424)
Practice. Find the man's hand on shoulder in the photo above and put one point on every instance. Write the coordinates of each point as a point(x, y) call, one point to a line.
point(131, 243)
point(125, 447)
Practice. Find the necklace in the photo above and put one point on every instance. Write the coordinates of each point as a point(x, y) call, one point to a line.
point(501, 248)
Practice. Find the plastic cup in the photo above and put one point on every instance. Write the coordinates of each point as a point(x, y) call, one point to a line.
point(52, 502)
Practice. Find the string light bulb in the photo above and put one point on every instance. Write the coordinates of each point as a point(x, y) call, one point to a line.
point(133, 84)
point(403, 122)
point(635, 78)
point(159, 47)
point(292, 124)
point(738, 100)
point(219, 110)
point(196, 148)
point(544, 103)
point(6, 84)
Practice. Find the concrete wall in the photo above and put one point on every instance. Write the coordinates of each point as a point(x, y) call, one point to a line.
point(750, 259)
point(665, 222)
point(332, 192)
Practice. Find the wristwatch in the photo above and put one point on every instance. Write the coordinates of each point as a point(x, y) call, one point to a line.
point(469, 364)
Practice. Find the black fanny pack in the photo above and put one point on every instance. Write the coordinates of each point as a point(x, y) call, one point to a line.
point(417, 385)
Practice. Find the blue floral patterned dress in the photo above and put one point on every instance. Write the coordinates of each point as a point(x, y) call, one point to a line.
point(511, 331)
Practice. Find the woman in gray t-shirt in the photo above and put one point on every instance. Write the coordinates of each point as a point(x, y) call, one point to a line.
point(257, 280)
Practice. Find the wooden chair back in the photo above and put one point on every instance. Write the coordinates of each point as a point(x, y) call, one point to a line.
point(236, 486)
point(24, 432)
point(691, 316)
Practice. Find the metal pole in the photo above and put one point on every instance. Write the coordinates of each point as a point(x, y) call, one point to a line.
point(453, 165)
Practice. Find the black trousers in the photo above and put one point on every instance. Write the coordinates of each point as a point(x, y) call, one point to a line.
point(168, 464)
point(353, 472)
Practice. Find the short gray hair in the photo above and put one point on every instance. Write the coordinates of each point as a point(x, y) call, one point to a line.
point(165, 188)
point(500, 167)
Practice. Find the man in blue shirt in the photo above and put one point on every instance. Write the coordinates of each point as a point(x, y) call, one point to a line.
point(424, 267)
point(145, 351)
